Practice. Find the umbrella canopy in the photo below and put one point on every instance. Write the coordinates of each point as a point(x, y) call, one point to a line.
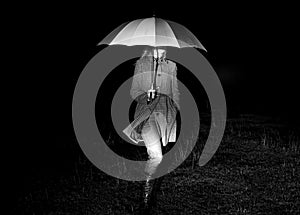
point(153, 32)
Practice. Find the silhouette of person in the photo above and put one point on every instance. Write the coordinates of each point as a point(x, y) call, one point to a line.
point(155, 89)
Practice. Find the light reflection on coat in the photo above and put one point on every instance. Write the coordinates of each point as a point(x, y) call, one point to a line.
point(166, 79)
point(163, 109)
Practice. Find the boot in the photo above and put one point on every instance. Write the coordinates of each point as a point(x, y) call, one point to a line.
point(145, 196)
point(152, 201)
point(147, 190)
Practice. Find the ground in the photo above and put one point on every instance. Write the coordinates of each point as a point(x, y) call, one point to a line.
point(255, 171)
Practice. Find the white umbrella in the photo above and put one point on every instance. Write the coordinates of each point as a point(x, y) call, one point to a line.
point(153, 32)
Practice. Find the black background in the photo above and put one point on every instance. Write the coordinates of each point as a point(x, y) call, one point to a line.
point(251, 47)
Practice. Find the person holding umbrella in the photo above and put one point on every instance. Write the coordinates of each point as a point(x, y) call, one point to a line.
point(154, 85)
point(155, 89)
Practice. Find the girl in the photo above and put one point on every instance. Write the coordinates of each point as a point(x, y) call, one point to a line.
point(155, 89)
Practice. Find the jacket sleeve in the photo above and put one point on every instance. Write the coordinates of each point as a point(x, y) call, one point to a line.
point(136, 88)
point(175, 92)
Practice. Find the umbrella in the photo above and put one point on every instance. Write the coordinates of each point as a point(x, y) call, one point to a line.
point(153, 32)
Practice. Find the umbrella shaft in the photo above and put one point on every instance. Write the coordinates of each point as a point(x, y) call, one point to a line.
point(155, 65)
point(152, 91)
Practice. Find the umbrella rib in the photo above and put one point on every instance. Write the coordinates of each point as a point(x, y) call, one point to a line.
point(172, 32)
point(130, 23)
point(120, 32)
point(191, 36)
point(135, 30)
point(134, 34)
point(177, 39)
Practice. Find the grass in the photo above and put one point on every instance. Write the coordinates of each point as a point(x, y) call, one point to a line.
point(255, 171)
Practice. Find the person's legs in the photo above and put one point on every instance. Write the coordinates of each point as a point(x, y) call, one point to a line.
point(151, 139)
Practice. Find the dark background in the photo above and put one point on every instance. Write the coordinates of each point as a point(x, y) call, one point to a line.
point(251, 47)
